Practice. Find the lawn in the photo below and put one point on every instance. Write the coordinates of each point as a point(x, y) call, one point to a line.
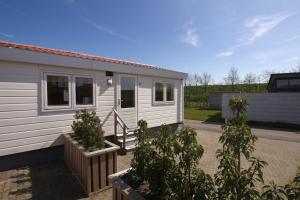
point(195, 113)
point(210, 115)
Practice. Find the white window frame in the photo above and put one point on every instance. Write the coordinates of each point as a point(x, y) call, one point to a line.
point(74, 93)
point(45, 106)
point(164, 102)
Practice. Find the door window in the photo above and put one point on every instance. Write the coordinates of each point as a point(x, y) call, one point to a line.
point(127, 92)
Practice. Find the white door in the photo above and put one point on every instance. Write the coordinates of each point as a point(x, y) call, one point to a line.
point(127, 99)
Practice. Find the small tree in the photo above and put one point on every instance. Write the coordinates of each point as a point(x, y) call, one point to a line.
point(205, 80)
point(250, 78)
point(190, 182)
point(143, 151)
point(162, 164)
point(234, 181)
point(232, 77)
point(87, 130)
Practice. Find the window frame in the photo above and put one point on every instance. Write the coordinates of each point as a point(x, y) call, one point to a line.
point(173, 88)
point(164, 102)
point(72, 91)
point(154, 92)
point(45, 106)
point(77, 107)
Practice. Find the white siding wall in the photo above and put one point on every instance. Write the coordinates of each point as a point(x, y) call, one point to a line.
point(156, 115)
point(270, 107)
point(23, 127)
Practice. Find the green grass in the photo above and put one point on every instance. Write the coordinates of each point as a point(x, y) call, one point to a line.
point(195, 113)
point(210, 115)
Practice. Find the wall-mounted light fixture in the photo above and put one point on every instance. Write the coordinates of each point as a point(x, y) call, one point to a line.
point(109, 75)
point(109, 81)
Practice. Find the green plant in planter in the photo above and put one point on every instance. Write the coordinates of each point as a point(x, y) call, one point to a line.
point(190, 182)
point(87, 130)
point(143, 151)
point(162, 164)
point(290, 191)
point(232, 180)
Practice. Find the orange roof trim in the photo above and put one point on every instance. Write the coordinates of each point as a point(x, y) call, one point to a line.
point(76, 55)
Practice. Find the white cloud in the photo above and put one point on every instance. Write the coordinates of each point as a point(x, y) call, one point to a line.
point(293, 38)
point(191, 37)
point(225, 54)
point(6, 35)
point(107, 30)
point(258, 26)
point(255, 27)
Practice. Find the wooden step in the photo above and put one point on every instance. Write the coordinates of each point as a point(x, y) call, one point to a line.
point(127, 139)
point(130, 147)
point(128, 142)
point(131, 133)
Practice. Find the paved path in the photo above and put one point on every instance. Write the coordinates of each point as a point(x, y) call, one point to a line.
point(280, 149)
point(274, 134)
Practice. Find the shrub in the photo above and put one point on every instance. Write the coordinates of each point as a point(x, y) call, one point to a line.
point(232, 180)
point(168, 164)
point(87, 130)
point(290, 191)
point(191, 182)
point(143, 151)
point(162, 164)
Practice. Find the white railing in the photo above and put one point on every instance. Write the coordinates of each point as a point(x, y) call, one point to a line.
point(121, 123)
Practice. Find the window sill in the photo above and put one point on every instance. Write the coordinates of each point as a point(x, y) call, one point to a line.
point(163, 103)
point(68, 109)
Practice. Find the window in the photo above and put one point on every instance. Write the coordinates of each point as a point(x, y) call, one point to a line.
point(84, 91)
point(58, 91)
point(163, 93)
point(127, 92)
point(159, 91)
point(170, 92)
point(282, 84)
point(294, 83)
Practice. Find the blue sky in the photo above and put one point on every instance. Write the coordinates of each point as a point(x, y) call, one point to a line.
point(186, 35)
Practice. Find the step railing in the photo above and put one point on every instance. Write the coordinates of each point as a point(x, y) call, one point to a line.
point(121, 123)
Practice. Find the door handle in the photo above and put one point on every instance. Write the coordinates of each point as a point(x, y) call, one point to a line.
point(119, 102)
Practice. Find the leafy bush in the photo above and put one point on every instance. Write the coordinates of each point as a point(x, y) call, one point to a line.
point(162, 164)
point(87, 130)
point(290, 191)
point(142, 153)
point(168, 164)
point(191, 182)
point(232, 180)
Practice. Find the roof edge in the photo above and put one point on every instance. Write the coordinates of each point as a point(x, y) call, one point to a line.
point(77, 55)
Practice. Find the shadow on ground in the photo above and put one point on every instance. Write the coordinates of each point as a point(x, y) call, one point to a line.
point(46, 181)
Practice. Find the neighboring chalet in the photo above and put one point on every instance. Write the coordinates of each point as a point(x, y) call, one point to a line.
point(41, 89)
point(284, 82)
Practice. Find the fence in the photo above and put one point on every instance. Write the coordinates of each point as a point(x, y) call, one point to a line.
point(268, 107)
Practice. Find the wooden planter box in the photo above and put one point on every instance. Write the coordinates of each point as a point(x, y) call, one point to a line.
point(121, 190)
point(91, 168)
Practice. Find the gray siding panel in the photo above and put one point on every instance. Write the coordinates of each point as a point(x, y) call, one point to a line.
point(269, 107)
